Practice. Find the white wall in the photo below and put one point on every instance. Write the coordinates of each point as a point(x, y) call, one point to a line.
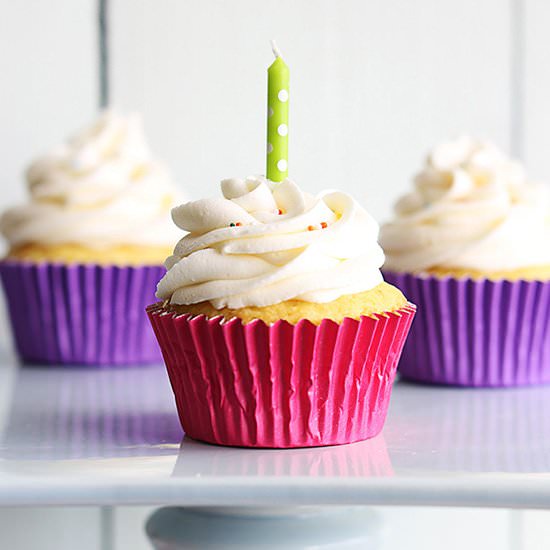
point(374, 84)
point(536, 84)
point(47, 81)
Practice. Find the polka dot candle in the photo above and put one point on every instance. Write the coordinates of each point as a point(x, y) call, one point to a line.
point(277, 118)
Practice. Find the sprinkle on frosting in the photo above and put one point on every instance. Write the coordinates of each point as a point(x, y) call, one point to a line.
point(273, 257)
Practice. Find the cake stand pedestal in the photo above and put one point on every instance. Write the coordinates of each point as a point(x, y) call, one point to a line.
point(299, 528)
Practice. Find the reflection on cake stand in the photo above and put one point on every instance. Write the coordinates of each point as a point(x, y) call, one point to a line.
point(364, 459)
point(114, 415)
point(469, 430)
point(293, 528)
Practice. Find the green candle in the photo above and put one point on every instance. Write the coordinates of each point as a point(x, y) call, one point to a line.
point(278, 77)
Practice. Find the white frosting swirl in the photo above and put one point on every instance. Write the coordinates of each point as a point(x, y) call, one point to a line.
point(279, 251)
point(101, 188)
point(472, 208)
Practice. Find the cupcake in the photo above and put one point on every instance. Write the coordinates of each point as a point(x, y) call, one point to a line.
point(86, 251)
point(275, 324)
point(471, 246)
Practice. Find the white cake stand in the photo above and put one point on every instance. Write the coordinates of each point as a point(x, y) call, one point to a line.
point(111, 438)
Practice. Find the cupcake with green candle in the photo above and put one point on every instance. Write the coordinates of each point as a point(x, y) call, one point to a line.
point(275, 324)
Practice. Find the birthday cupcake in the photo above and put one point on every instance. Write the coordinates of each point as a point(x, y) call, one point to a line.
point(86, 251)
point(470, 246)
point(275, 323)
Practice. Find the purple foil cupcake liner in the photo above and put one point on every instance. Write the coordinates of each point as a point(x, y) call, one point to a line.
point(476, 333)
point(81, 314)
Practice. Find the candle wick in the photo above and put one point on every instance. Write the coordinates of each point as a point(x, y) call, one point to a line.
point(276, 50)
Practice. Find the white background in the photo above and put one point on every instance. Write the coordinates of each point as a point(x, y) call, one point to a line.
point(374, 84)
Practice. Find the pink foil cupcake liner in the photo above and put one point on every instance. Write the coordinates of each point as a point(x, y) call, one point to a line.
point(81, 314)
point(477, 333)
point(281, 385)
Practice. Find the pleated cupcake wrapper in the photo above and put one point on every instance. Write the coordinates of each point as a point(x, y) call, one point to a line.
point(81, 314)
point(477, 333)
point(281, 385)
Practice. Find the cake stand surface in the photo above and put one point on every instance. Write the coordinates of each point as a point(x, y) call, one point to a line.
point(111, 437)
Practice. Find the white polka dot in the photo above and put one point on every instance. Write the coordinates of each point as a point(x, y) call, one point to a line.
point(283, 96)
point(282, 130)
point(269, 148)
point(282, 165)
point(269, 112)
